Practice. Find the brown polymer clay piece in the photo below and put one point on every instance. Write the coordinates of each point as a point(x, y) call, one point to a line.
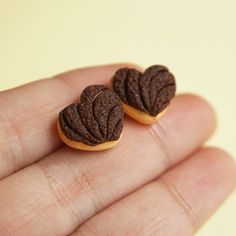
point(145, 96)
point(93, 124)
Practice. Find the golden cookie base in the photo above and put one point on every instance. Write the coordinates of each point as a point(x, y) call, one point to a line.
point(140, 116)
point(85, 147)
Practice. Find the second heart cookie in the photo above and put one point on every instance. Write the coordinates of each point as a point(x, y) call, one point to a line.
point(146, 95)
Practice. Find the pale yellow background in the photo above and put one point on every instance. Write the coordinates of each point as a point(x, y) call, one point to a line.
point(196, 39)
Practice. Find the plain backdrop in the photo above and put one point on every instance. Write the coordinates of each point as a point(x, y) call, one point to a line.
point(195, 39)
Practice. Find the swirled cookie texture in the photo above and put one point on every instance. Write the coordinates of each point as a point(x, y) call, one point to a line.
point(145, 96)
point(93, 124)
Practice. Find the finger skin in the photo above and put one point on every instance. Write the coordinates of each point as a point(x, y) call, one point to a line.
point(175, 204)
point(72, 186)
point(28, 114)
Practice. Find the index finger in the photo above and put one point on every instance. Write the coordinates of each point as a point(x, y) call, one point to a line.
point(28, 114)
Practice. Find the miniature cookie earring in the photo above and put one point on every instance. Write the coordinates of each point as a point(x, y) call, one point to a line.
point(145, 96)
point(93, 124)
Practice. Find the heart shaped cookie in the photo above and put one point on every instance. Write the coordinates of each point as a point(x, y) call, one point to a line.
point(144, 95)
point(95, 123)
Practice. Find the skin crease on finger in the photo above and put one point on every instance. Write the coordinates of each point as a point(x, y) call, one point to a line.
point(177, 203)
point(66, 188)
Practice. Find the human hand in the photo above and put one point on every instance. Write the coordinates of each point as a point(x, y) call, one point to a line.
point(158, 180)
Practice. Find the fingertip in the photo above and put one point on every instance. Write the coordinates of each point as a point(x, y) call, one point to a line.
point(207, 109)
point(224, 163)
point(188, 122)
point(196, 106)
point(205, 180)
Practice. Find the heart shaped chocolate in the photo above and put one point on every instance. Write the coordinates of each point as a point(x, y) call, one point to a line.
point(96, 120)
point(149, 92)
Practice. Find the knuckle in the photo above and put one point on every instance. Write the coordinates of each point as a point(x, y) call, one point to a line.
point(158, 135)
point(71, 188)
point(182, 200)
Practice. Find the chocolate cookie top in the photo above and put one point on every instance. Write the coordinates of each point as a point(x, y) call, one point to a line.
point(149, 92)
point(98, 117)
